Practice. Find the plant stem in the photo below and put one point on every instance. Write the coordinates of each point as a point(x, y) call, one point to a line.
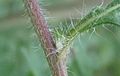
point(47, 42)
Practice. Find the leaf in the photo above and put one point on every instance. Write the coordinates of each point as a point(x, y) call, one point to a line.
point(113, 17)
point(98, 16)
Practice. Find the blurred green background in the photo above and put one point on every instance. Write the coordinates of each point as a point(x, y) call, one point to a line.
point(94, 53)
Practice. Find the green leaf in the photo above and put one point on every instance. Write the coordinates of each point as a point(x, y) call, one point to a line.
point(98, 16)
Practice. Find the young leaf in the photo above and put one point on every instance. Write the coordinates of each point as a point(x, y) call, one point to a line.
point(98, 16)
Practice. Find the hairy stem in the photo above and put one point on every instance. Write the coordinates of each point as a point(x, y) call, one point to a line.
point(47, 42)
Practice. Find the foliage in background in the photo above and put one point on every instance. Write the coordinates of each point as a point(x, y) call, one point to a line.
point(95, 53)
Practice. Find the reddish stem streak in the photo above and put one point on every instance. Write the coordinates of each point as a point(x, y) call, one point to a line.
point(49, 46)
